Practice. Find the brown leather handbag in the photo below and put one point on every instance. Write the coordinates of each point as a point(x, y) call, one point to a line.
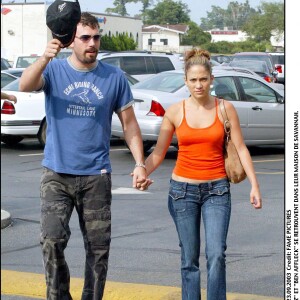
point(233, 166)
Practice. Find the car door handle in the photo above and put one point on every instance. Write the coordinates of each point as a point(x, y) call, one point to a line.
point(256, 108)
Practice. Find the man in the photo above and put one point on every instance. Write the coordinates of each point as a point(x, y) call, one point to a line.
point(81, 95)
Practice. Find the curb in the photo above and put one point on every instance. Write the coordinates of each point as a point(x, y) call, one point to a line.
point(33, 285)
point(5, 219)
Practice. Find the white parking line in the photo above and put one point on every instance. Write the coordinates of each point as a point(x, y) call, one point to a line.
point(120, 149)
point(268, 160)
point(128, 191)
point(270, 173)
point(33, 154)
point(38, 154)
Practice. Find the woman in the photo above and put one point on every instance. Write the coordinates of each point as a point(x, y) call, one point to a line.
point(199, 186)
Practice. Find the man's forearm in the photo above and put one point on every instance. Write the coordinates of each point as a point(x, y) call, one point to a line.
point(134, 141)
point(31, 79)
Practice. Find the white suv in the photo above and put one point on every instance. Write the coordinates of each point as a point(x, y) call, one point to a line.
point(141, 65)
point(23, 61)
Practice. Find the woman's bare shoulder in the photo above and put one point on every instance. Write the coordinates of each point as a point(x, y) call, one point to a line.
point(229, 107)
point(174, 111)
point(174, 108)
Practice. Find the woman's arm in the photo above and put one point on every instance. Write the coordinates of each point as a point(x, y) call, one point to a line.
point(238, 140)
point(132, 134)
point(163, 142)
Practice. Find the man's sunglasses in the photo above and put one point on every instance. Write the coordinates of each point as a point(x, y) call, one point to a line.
point(86, 37)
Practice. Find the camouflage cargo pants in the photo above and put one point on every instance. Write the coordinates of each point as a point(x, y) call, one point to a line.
point(91, 197)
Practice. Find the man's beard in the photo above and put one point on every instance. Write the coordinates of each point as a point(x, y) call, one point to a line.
point(89, 60)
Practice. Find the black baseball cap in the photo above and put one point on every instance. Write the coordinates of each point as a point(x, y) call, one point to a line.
point(62, 18)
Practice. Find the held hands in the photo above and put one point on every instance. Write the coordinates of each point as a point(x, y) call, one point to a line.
point(140, 180)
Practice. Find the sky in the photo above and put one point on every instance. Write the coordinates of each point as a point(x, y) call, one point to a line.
point(198, 8)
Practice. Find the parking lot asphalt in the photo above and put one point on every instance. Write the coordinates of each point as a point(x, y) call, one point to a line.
point(5, 219)
point(27, 285)
point(31, 285)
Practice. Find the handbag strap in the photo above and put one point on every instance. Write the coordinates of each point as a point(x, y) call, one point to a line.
point(227, 125)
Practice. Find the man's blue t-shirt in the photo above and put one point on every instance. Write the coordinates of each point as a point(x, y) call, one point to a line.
point(79, 107)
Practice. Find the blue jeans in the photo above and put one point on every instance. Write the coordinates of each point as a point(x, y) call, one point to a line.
point(186, 203)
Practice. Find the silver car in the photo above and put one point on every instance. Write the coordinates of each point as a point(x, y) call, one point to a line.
point(260, 105)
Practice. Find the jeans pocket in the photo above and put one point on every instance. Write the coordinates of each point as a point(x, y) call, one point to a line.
point(219, 190)
point(176, 194)
point(220, 195)
point(177, 201)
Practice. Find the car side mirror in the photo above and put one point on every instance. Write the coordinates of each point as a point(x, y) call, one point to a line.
point(275, 73)
point(280, 99)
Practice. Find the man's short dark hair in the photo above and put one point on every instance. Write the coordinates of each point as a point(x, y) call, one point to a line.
point(88, 19)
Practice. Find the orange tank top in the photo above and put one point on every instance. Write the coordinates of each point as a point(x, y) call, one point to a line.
point(200, 154)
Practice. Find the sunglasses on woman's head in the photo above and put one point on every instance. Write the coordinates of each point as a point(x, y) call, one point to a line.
point(86, 37)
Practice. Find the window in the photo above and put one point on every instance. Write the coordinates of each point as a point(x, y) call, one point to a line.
point(257, 91)
point(134, 65)
point(224, 87)
point(266, 58)
point(162, 64)
point(151, 41)
point(6, 79)
point(115, 61)
point(163, 82)
point(24, 62)
point(150, 65)
point(164, 41)
point(278, 59)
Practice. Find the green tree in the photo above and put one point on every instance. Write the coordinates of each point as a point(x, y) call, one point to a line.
point(120, 7)
point(237, 14)
point(146, 4)
point(233, 17)
point(121, 42)
point(215, 19)
point(269, 18)
point(195, 36)
point(167, 11)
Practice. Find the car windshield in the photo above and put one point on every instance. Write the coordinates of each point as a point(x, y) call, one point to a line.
point(4, 64)
point(253, 57)
point(63, 54)
point(254, 65)
point(13, 86)
point(163, 82)
point(130, 79)
point(278, 59)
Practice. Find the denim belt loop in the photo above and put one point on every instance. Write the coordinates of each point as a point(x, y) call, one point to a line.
point(184, 186)
point(210, 184)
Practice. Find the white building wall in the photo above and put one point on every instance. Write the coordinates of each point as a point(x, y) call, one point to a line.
point(117, 25)
point(277, 39)
point(24, 29)
point(227, 36)
point(172, 37)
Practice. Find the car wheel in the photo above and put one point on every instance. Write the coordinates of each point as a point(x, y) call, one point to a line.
point(42, 133)
point(11, 140)
point(146, 144)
